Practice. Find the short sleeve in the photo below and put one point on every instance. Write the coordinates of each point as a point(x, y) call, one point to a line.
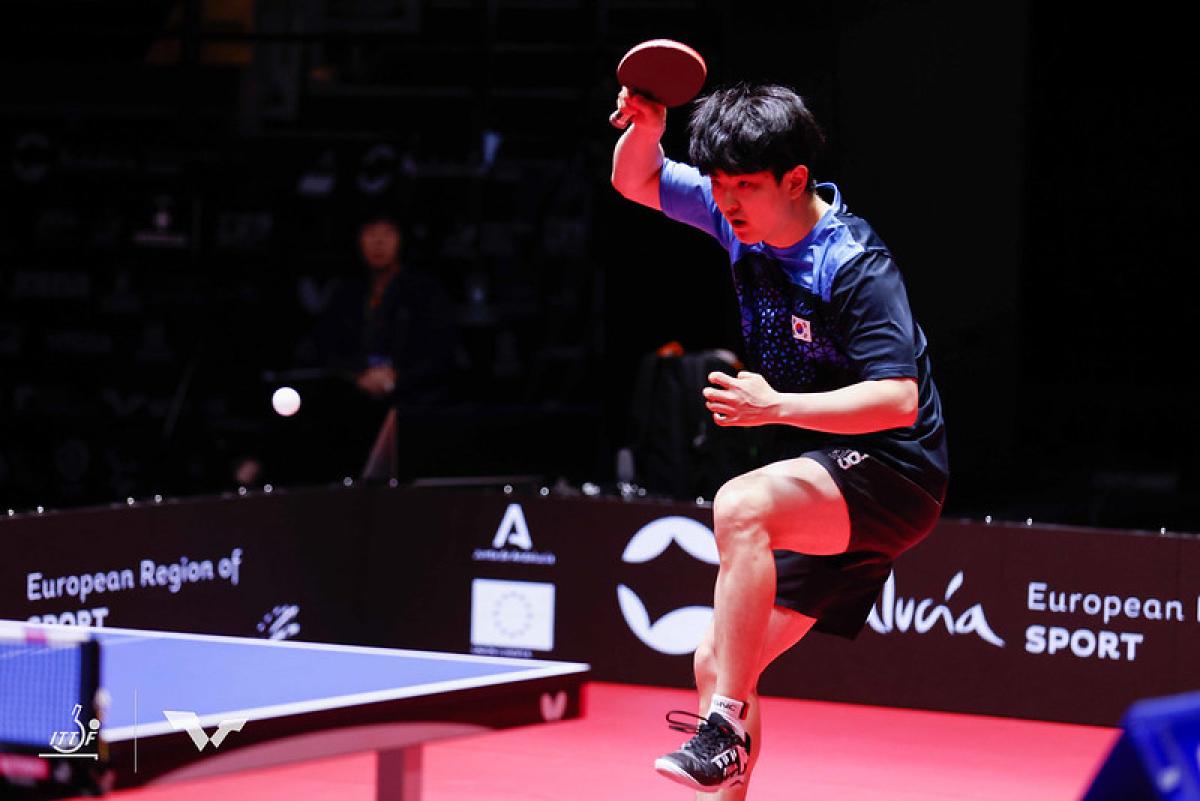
point(686, 196)
point(873, 317)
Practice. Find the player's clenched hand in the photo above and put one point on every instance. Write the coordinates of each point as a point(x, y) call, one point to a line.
point(747, 400)
point(643, 112)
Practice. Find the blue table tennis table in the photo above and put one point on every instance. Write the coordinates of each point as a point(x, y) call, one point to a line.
point(174, 707)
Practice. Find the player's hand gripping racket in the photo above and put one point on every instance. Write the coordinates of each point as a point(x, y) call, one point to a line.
point(666, 71)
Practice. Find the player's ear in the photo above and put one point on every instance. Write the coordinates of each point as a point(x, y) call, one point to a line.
point(796, 180)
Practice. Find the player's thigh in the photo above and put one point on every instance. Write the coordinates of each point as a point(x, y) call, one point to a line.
point(796, 501)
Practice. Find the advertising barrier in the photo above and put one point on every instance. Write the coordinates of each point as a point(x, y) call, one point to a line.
point(1032, 621)
point(256, 566)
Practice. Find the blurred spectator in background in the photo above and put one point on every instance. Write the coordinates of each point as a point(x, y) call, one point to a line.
point(390, 326)
point(389, 329)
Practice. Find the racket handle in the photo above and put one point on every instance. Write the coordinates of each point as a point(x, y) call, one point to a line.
point(619, 119)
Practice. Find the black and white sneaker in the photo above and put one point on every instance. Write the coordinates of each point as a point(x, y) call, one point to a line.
point(715, 758)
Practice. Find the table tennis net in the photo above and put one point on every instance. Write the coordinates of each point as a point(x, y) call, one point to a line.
point(40, 684)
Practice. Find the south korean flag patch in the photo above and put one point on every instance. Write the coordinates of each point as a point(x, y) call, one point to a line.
point(801, 329)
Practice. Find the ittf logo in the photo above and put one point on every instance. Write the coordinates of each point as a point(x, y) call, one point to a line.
point(801, 329)
point(72, 743)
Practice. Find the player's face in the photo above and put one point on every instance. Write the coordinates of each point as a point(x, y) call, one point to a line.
point(380, 244)
point(755, 204)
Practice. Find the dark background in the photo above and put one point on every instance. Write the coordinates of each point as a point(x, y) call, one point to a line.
point(180, 182)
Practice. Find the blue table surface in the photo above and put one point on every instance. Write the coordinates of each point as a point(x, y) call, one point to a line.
point(214, 675)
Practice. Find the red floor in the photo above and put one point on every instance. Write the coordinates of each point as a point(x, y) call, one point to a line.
point(815, 751)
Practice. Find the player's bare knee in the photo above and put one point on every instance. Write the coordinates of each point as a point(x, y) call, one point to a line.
point(740, 510)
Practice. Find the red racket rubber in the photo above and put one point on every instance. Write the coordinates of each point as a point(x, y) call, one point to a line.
point(663, 70)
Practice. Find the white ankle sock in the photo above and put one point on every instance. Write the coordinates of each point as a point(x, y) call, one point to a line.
point(732, 710)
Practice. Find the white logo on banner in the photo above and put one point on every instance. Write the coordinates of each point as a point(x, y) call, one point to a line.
point(190, 723)
point(512, 614)
point(513, 530)
point(892, 613)
point(678, 631)
point(281, 623)
point(71, 743)
point(553, 707)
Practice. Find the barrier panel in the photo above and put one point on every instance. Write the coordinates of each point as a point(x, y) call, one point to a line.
point(1032, 621)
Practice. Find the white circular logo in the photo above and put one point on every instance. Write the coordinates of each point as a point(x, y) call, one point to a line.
point(678, 631)
point(512, 614)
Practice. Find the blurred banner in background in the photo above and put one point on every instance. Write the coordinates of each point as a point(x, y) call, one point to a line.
point(1029, 621)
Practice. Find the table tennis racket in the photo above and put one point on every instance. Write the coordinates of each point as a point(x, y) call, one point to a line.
point(663, 70)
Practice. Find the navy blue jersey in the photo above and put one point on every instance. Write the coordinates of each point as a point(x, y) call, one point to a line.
point(825, 313)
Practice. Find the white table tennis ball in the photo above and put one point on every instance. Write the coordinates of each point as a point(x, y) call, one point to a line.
point(285, 401)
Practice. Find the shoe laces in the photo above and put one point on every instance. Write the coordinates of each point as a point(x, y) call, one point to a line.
point(709, 739)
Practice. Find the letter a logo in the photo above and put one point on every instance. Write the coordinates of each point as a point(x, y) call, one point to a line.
point(513, 530)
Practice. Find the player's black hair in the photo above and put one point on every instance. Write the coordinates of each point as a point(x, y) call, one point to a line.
point(747, 128)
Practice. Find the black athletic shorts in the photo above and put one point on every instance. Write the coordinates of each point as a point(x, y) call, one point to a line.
point(888, 515)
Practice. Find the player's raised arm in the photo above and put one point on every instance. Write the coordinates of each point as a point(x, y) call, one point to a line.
point(638, 156)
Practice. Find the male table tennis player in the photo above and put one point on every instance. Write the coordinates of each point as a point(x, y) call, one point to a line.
point(839, 371)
